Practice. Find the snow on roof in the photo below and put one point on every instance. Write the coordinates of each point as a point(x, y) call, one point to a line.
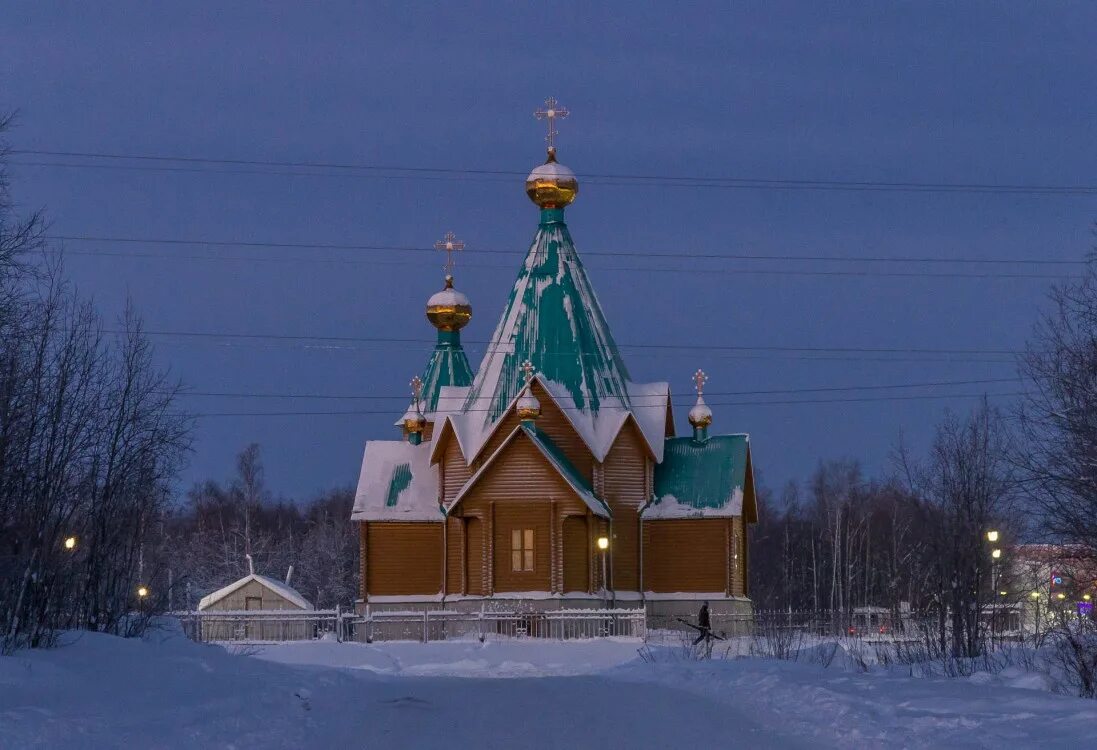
point(552, 318)
point(284, 590)
point(701, 479)
point(555, 458)
point(397, 483)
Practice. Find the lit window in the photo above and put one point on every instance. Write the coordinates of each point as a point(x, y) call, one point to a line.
point(521, 550)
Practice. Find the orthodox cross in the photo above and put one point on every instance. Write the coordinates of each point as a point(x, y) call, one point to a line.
point(416, 390)
point(450, 244)
point(527, 368)
point(551, 111)
point(699, 380)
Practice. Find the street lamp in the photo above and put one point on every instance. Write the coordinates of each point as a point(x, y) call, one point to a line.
point(996, 554)
point(992, 536)
point(70, 543)
point(1086, 597)
point(142, 591)
point(603, 545)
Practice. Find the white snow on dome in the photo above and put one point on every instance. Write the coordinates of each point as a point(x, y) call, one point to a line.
point(448, 298)
point(700, 412)
point(552, 171)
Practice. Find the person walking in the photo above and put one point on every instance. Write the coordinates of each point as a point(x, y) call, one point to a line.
point(704, 624)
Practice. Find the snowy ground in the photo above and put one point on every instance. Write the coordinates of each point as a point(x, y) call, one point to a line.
point(166, 692)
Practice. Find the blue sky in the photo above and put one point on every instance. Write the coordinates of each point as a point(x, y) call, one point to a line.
point(1000, 93)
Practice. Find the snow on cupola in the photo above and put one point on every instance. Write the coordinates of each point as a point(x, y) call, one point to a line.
point(554, 320)
point(448, 311)
point(700, 416)
point(528, 407)
point(413, 420)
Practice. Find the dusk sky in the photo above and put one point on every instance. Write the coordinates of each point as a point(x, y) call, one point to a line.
point(442, 98)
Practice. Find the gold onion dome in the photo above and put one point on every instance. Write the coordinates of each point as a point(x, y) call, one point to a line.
point(449, 309)
point(528, 407)
point(552, 185)
point(700, 415)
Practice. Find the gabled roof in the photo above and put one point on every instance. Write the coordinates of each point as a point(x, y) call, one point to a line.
point(397, 483)
point(552, 318)
point(282, 589)
point(704, 479)
point(553, 456)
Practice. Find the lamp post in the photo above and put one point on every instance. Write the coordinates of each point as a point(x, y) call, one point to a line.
point(69, 543)
point(603, 546)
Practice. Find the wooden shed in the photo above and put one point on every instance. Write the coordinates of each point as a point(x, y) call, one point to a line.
point(225, 612)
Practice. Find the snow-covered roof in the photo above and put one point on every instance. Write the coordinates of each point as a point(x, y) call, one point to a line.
point(553, 319)
point(397, 483)
point(284, 590)
point(703, 479)
point(553, 456)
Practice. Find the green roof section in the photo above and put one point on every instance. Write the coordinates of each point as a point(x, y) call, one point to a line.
point(702, 478)
point(552, 318)
point(448, 366)
point(400, 481)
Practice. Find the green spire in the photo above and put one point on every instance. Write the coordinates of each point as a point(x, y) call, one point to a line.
point(448, 366)
point(553, 319)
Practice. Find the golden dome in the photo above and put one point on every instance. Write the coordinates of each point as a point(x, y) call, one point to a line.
point(528, 407)
point(552, 185)
point(449, 310)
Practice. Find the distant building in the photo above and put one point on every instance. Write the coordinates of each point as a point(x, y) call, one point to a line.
point(253, 593)
point(550, 479)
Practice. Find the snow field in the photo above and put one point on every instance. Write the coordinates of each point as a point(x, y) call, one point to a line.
point(163, 691)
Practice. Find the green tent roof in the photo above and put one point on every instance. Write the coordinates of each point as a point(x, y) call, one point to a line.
point(702, 478)
point(448, 366)
point(552, 318)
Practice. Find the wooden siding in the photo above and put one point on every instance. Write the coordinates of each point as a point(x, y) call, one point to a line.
point(625, 481)
point(521, 491)
point(576, 552)
point(686, 555)
point(455, 560)
point(554, 424)
point(403, 558)
point(474, 556)
point(454, 471)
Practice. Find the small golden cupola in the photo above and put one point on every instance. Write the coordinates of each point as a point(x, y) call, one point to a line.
point(552, 185)
point(528, 407)
point(414, 421)
point(700, 416)
point(449, 309)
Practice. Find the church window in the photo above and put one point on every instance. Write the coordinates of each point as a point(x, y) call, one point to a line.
point(521, 550)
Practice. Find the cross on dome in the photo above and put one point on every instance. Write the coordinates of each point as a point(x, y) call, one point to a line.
point(551, 111)
point(699, 380)
point(450, 245)
point(416, 388)
point(528, 368)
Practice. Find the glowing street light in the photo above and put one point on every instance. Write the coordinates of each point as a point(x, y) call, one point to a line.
point(992, 536)
point(603, 543)
point(1086, 597)
point(70, 543)
point(1061, 596)
point(1035, 595)
point(996, 554)
point(142, 591)
point(1003, 593)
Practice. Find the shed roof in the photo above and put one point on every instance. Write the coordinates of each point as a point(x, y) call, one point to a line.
point(703, 479)
point(397, 483)
point(283, 590)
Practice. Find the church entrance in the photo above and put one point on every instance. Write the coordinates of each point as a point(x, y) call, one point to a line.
point(576, 554)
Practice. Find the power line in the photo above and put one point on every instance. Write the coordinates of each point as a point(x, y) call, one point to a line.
point(656, 399)
point(586, 253)
point(624, 269)
point(789, 402)
point(700, 347)
point(407, 172)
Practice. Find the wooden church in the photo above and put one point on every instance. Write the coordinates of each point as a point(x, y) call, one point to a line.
point(549, 479)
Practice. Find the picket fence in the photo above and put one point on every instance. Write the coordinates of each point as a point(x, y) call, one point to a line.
point(427, 625)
